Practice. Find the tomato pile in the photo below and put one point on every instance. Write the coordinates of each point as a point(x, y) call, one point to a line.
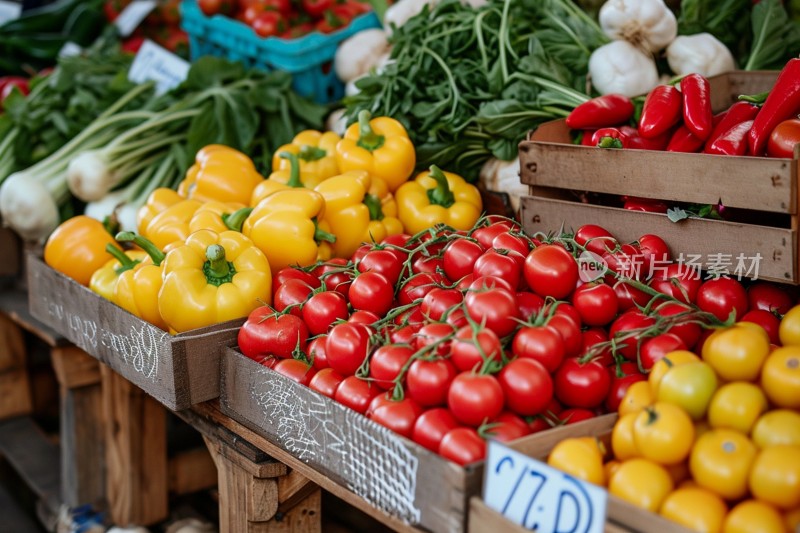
point(288, 19)
point(449, 337)
point(710, 442)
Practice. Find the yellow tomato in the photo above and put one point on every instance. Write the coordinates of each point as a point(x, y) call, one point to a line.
point(775, 476)
point(641, 482)
point(720, 462)
point(611, 467)
point(695, 508)
point(672, 359)
point(737, 353)
point(663, 433)
point(780, 377)
point(753, 516)
point(689, 386)
point(637, 397)
point(579, 457)
point(792, 519)
point(789, 330)
point(737, 406)
point(622, 443)
point(781, 426)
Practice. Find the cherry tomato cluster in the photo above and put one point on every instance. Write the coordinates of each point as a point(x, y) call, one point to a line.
point(451, 337)
point(161, 25)
point(288, 19)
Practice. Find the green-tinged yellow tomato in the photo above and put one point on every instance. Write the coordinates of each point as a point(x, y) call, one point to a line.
point(641, 482)
point(720, 462)
point(775, 476)
point(638, 396)
point(672, 359)
point(737, 406)
point(780, 377)
point(753, 516)
point(696, 509)
point(789, 330)
point(689, 386)
point(663, 433)
point(780, 426)
point(738, 352)
point(579, 457)
point(622, 443)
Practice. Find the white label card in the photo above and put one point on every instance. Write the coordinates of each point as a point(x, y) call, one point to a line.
point(133, 15)
point(154, 63)
point(9, 11)
point(70, 49)
point(539, 497)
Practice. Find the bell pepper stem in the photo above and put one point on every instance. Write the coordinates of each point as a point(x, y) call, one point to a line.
point(155, 254)
point(373, 204)
point(367, 138)
point(322, 235)
point(310, 153)
point(757, 99)
point(294, 169)
point(126, 263)
point(609, 142)
point(217, 268)
point(441, 195)
point(234, 221)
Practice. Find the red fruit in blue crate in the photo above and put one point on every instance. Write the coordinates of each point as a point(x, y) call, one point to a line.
point(269, 23)
point(217, 7)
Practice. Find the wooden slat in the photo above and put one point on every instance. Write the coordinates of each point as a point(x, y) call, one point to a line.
point(15, 389)
point(540, 446)
point(34, 457)
point(484, 519)
point(15, 518)
point(704, 237)
point(192, 471)
point(14, 303)
point(11, 252)
point(82, 446)
point(74, 367)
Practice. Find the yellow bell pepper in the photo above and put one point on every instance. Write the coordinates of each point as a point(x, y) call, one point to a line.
point(218, 217)
point(104, 280)
point(159, 200)
point(137, 289)
point(78, 247)
point(288, 227)
point(380, 146)
point(214, 277)
point(282, 180)
point(438, 197)
point(171, 224)
point(220, 173)
point(317, 153)
point(358, 209)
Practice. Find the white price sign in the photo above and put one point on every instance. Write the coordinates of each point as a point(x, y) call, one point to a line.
point(154, 63)
point(70, 49)
point(538, 497)
point(133, 15)
point(9, 11)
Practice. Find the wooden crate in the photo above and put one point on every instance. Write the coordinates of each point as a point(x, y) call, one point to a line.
point(391, 472)
point(177, 370)
point(11, 252)
point(621, 516)
point(555, 169)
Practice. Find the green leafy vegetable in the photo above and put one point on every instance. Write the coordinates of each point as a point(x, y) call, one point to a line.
point(776, 38)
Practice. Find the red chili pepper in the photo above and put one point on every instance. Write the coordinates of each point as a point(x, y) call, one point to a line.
point(783, 102)
point(736, 114)
point(635, 140)
point(586, 140)
point(683, 140)
point(606, 110)
point(731, 142)
point(609, 138)
point(661, 111)
point(697, 113)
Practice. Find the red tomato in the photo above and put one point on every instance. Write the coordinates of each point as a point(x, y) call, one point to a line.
point(783, 138)
point(687, 330)
point(282, 6)
point(396, 244)
point(457, 318)
point(438, 302)
point(463, 446)
point(575, 415)
point(417, 286)
point(630, 321)
point(316, 8)
point(655, 251)
point(769, 297)
point(513, 242)
point(627, 261)
point(620, 383)
point(628, 297)
point(269, 23)
point(371, 291)
point(486, 234)
point(323, 309)
point(336, 273)
point(291, 295)
point(266, 333)
point(679, 281)
point(347, 346)
point(570, 332)
point(721, 297)
point(495, 309)
point(527, 386)
point(592, 337)
point(540, 343)
point(567, 309)
point(411, 317)
point(421, 262)
point(429, 381)
point(472, 346)
point(356, 393)
point(494, 263)
point(403, 334)
point(366, 318)
point(645, 204)
point(326, 381)
point(383, 262)
point(529, 304)
point(581, 385)
point(400, 416)
point(766, 320)
point(475, 398)
point(213, 7)
point(438, 335)
point(596, 239)
point(596, 303)
point(295, 370)
point(285, 274)
point(431, 426)
point(550, 270)
point(459, 256)
point(507, 427)
point(655, 348)
point(317, 352)
point(387, 362)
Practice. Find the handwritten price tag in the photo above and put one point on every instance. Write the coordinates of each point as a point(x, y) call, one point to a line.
point(9, 11)
point(133, 15)
point(154, 63)
point(541, 498)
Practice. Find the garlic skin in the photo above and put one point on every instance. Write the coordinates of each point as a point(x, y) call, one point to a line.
point(620, 67)
point(648, 24)
point(359, 53)
point(399, 12)
point(701, 53)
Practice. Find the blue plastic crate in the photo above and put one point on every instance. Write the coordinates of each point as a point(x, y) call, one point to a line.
point(309, 59)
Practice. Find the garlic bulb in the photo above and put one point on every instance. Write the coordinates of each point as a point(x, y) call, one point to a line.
point(648, 24)
point(359, 53)
point(399, 12)
point(620, 67)
point(701, 53)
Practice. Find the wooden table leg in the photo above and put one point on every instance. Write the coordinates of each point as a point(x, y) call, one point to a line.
point(263, 497)
point(15, 388)
point(82, 432)
point(136, 452)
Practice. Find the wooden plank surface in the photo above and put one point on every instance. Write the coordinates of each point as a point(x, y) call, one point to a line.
point(192, 471)
point(483, 519)
point(701, 237)
point(15, 389)
point(14, 518)
point(14, 303)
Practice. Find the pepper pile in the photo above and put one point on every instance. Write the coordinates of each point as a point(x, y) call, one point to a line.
point(682, 121)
